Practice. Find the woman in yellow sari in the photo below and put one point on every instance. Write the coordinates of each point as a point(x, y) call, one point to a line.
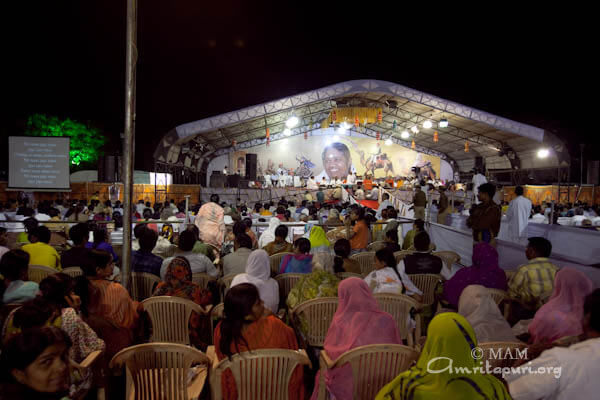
point(449, 346)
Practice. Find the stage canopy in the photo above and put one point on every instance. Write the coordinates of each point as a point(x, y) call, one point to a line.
point(504, 144)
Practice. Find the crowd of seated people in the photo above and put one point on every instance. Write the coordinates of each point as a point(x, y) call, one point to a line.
point(69, 318)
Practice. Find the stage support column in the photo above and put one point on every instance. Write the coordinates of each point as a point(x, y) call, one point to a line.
point(131, 57)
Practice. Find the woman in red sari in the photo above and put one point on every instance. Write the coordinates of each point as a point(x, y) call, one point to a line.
point(247, 327)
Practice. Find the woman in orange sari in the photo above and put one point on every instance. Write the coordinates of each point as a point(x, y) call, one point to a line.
point(247, 327)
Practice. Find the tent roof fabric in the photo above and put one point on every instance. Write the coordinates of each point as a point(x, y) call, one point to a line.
point(188, 145)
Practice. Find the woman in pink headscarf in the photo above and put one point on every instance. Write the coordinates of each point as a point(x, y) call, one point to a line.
point(211, 223)
point(562, 315)
point(358, 321)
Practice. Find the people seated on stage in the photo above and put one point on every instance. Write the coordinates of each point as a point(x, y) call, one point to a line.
point(532, 284)
point(449, 337)
point(409, 238)
point(342, 262)
point(40, 252)
point(562, 315)
point(143, 260)
point(358, 321)
point(58, 305)
point(15, 287)
point(421, 261)
point(300, 261)
point(178, 283)
point(248, 326)
point(485, 217)
point(387, 279)
point(235, 263)
point(36, 365)
point(359, 233)
point(367, 183)
point(578, 218)
point(374, 194)
point(391, 241)
point(484, 271)
point(198, 262)
point(258, 273)
point(577, 377)
point(482, 312)
point(538, 217)
point(101, 242)
point(280, 244)
point(359, 193)
point(78, 255)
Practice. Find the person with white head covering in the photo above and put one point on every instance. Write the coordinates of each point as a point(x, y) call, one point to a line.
point(269, 235)
point(258, 273)
point(482, 312)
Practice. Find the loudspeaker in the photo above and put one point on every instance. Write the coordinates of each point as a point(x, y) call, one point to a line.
point(593, 172)
point(251, 161)
point(479, 164)
point(233, 181)
point(217, 180)
point(109, 168)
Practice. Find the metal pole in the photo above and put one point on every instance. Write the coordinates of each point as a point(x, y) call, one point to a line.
point(129, 136)
point(581, 147)
point(187, 206)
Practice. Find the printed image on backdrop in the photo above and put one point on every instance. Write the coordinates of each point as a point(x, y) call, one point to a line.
point(332, 156)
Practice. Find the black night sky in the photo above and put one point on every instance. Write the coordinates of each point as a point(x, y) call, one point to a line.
point(200, 58)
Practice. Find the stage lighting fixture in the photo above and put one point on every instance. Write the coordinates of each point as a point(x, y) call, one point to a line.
point(405, 135)
point(427, 124)
point(543, 153)
point(415, 129)
point(292, 121)
point(388, 142)
point(443, 123)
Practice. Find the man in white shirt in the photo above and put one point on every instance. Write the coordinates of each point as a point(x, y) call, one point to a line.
point(564, 373)
point(538, 217)
point(351, 179)
point(478, 180)
point(359, 193)
point(383, 205)
point(517, 216)
point(374, 193)
point(311, 184)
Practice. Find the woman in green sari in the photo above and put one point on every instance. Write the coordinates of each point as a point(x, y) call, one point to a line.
point(450, 346)
point(317, 284)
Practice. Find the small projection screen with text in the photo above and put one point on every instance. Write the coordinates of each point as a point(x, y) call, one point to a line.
point(38, 162)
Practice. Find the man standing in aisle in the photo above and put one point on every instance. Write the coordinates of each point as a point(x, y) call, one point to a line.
point(484, 218)
point(478, 180)
point(443, 208)
point(517, 216)
point(419, 203)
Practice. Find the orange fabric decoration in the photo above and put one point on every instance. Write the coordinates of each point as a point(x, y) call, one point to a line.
point(379, 117)
point(356, 121)
point(378, 136)
point(334, 116)
point(412, 145)
point(466, 146)
point(435, 136)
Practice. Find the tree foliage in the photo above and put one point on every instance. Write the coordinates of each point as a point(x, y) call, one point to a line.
point(86, 141)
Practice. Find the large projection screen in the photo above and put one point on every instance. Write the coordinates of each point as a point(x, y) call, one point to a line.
point(38, 163)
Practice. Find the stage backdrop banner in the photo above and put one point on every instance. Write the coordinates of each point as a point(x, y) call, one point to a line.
point(328, 155)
